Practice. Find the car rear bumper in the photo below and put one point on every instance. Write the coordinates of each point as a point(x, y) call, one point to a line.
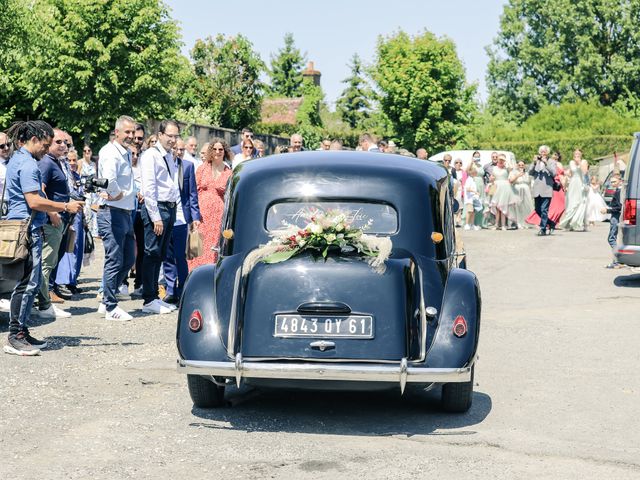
point(393, 373)
point(628, 255)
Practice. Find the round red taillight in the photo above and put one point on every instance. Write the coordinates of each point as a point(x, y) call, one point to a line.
point(195, 321)
point(459, 326)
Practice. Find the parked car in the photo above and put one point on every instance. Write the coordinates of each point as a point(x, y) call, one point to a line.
point(327, 318)
point(628, 252)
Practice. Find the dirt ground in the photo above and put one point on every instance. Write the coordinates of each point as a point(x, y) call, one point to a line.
point(557, 391)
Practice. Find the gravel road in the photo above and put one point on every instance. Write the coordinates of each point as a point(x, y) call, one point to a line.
point(557, 391)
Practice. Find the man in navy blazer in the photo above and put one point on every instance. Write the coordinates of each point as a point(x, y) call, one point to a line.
point(187, 213)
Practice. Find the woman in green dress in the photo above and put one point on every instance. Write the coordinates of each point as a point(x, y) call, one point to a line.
point(521, 181)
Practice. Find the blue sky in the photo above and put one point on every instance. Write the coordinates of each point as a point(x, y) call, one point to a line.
point(331, 31)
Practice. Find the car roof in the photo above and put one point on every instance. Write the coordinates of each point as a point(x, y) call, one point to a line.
point(408, 184)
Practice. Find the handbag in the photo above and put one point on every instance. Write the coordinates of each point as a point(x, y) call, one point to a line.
point(557, 186)
point(89, 244)
point(195, 245)
point(15, 241)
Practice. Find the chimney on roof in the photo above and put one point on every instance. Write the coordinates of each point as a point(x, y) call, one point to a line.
point(312, 75)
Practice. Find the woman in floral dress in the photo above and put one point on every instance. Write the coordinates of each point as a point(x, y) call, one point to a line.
point(521, 181)
point(211, 178)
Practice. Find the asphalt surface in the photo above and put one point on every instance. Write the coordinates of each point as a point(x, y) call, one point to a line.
point(557, 391)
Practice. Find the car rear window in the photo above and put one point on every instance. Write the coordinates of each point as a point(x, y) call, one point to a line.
point(380, 218)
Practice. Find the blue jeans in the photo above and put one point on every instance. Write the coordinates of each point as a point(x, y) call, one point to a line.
point(155, 249)
point(175, 263)
point(613, 232)
point(116, 229)
point(24, 293)
point(542, 209)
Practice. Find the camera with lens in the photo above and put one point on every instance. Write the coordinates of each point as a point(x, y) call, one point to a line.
point(91, 183)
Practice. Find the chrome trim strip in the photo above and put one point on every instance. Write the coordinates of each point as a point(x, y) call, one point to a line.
point(403, 375)
point(233, 321)
point(423, 322)
point(345, 372)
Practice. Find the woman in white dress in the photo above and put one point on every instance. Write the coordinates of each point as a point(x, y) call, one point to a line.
point(521, 182)
point(595, 203)
point(89, 168)
point(575, 214)
point(505, 199)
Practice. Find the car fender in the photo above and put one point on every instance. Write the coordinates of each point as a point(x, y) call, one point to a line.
point(461, 299)
point(199, 293)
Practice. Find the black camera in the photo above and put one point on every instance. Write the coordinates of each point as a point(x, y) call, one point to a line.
point(91, 183)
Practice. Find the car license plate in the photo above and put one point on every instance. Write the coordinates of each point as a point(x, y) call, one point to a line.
point(325, 326)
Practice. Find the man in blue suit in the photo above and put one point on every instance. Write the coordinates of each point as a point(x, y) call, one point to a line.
point(187, 212)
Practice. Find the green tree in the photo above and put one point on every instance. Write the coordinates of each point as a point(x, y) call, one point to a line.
point(228, 85)
point(18, 31)
point(103, 59)
point(422, 88)
point(354, 105)
point(286, 70)
point(550, 51)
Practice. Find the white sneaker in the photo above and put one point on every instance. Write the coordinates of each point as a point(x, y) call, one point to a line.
point(477, 227)
point(117, 315)
point(5, 305)
point(52, 312)
point(467, 227)
point(123, 290)
point(168, 305)
point(102, 308)
point(156, 306)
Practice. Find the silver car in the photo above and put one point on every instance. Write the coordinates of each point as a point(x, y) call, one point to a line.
point(628, 252)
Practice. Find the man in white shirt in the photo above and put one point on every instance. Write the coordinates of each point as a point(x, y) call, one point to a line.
point(115, 224)
point(161, 197)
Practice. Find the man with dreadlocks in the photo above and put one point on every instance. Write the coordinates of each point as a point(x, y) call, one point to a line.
point(26, 199)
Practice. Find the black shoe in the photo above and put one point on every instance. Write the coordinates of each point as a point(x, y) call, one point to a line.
point(541, 233)
point(63, 292)
point(74, 289)
point(171, 300)
point(18, 345)
point(34, 342)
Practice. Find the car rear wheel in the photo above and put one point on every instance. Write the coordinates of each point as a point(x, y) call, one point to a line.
point(204, 393)
point(457, 397)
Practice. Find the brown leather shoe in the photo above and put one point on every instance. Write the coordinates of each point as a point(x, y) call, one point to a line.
point(55, 298)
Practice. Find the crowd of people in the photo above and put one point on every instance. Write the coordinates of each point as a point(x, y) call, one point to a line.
point(542, 194)
point(144, 195)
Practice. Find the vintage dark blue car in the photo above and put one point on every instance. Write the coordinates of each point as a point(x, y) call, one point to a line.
point(329, 319)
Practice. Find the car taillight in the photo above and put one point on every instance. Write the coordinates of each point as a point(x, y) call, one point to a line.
point(459, 326)
point(195, 321)
point(630, 211)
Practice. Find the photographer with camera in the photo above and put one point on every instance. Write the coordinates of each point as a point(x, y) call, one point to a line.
point(115, 224)
point(27, 200)
point(543, 170)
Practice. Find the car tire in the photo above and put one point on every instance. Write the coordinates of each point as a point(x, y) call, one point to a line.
point(457, 397)
point(204, 393)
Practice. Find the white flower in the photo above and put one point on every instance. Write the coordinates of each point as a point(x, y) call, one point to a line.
point(330, 238)
point(315, 228)
point(339, 227)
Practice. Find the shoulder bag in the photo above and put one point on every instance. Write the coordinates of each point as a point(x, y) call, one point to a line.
point(15, 241)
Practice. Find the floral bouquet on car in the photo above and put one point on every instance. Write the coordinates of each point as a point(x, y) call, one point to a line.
point(325, 231)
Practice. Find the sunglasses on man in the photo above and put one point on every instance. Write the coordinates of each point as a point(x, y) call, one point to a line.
point(4, 146)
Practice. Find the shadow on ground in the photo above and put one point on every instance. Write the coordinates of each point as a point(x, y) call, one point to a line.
point(58, 342)
point(629, 281)
point(341, 413)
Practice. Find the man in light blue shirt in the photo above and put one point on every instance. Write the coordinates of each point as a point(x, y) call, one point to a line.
point(27, 201)
point(115, 224)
